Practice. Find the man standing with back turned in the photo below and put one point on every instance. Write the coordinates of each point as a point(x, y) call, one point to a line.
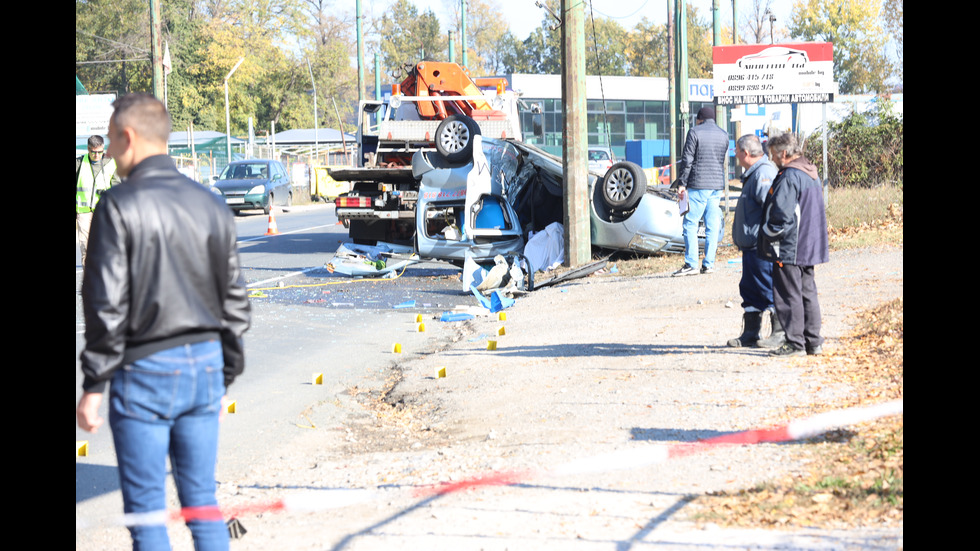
point(794, 237)
point(702, 179)
point(165, 310)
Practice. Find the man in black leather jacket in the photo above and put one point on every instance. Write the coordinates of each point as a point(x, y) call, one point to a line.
point(165, 309)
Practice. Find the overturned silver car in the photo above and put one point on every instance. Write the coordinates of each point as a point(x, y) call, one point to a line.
point(505, 191)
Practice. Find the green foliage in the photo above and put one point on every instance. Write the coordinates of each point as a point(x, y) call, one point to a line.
point(280, 41)
point(605, 41)
point(865, 149)
point(855, 29)
point(409, 37)
point(646, 49)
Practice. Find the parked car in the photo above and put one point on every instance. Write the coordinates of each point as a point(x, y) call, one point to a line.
point(600, 159)
point(663, 176)
point(254, 184)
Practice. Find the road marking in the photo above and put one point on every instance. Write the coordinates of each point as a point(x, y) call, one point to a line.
point(285, 233)
point(267, 281)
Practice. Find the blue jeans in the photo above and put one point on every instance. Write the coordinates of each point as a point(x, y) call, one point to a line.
point(703, 203)
point(756, 283)
point(168, 403)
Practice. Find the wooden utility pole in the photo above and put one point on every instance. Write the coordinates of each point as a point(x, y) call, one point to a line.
point(578, 245)
point(156, 49)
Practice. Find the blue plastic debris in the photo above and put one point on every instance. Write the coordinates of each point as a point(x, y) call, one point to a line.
point(406, 304)
point(450, 316)
point(484, 301)
point(498, 302)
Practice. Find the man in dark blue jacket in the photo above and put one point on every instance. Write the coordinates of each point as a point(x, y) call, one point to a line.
point(755, 286)
point(702, 179)
point(794, 237)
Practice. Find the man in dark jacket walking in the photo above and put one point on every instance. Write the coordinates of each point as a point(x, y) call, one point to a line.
point(755, 286)
point(702, 179)
point(794, 237)
point(165, 310)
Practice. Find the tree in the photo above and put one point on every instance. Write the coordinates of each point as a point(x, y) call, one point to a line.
point(699, 45)
point(112, 45)
point(646, 49)
point(540, 52)
point(893, 15)
point(485, 27)
point(757, 29)
point(407, 37)
point(854, 27)
point(605, 45)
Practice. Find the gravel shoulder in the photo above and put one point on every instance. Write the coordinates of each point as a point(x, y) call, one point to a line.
point(600, 368)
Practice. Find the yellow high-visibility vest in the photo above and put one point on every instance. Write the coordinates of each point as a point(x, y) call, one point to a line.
point(90, 186)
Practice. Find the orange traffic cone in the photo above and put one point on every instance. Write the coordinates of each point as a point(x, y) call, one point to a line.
point(273, 229)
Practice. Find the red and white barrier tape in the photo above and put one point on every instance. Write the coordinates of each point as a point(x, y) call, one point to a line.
point(633, 458)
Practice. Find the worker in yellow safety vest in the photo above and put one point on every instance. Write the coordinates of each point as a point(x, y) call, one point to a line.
point(93, 175)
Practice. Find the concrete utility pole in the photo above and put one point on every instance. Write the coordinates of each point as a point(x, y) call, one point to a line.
point(671, 93)
point(156, 49)
point(316, 130)
point(680, 82)
point(228, 110)
point(735, 22)
point(578, 245)
point(462, 31)
point(377, 78)
point(720, 111)
point(360, 53)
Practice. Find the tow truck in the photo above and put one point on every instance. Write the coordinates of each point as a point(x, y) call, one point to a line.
point(445, 175)
point(435, 108)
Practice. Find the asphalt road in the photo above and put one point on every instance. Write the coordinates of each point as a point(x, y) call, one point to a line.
point(305, 321)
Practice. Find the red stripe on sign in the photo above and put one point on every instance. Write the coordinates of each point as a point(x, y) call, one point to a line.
point(815, 51)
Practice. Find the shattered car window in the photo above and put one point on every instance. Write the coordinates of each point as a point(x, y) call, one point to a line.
point(504, 161)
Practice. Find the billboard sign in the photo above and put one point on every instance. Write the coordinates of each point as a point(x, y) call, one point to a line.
point(92, 114)
point(782, 73)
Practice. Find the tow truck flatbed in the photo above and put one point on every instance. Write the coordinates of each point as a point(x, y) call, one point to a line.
point(373, 174)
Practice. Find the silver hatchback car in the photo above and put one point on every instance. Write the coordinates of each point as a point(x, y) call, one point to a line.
point(509, 189)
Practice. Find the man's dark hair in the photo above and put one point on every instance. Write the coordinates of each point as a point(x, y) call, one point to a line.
point(145, 114)
point(95, 141)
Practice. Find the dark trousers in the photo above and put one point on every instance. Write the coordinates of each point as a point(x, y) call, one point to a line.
point(795, 298)
point(756, 283)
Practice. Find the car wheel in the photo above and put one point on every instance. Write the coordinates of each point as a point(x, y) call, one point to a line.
point(624, 185)
point(289, 199)
point(268, 204)
point(454, 138)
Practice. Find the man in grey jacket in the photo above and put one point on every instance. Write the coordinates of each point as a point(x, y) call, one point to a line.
point(756, 283)
point(702, 179)
point(794, 237)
